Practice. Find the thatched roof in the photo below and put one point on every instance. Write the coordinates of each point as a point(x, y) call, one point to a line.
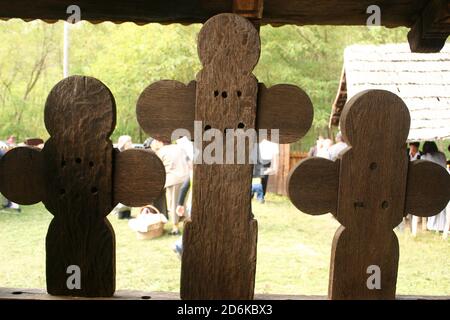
point(421, 80)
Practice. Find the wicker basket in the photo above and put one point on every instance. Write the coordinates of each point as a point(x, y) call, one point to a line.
point(153, 230)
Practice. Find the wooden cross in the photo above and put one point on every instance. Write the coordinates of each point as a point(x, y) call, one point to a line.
point(369, 190)
point(80, 178)
point(219, 257)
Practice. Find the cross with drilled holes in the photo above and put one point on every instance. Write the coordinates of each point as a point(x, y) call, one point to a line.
point(80, 178)
point(219, 257)
point(369, 190)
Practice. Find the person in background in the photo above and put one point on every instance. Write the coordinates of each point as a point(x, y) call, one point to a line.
point(184, 202)
point(268, 158)
point(122, 211)
point(183, 211)
point(160, 203)
point(185, 198)
point(323, 150)
point(3, 148)
point(414, 153)
point(336, 148)
point(11, 141)
point(257, 187)
point(313, 151)
point(447, 217)
point(430, 152)
point(124, 143)
point(177, 171)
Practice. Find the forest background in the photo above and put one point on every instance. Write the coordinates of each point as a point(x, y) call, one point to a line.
point(128, 57)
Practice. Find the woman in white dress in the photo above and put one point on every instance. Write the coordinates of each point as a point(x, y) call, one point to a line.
point(430, 152)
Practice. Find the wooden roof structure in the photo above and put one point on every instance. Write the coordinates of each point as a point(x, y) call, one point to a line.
point(429, 19)
point(421, 80)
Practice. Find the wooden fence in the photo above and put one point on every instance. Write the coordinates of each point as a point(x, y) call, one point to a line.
point(287, 161)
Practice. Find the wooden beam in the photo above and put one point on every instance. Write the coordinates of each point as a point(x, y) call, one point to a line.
point(250, 9)
point(432, 28)
point(277, 12)
point(39, 294)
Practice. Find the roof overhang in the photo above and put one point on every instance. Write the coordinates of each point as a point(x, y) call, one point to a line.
point(430, 19)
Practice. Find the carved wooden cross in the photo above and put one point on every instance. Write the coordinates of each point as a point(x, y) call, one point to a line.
point(80, 178)
point(369, 190)
point(219, 257)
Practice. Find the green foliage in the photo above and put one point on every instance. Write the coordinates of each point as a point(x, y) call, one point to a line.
point(28, 59)
point(127, 58)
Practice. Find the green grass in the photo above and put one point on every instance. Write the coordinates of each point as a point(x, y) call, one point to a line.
point(293, 254)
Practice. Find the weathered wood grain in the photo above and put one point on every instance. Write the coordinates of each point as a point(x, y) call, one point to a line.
point(21, 175)
point(39, 294)
point(431, 30)
point(313, 186)
point(372, 193)
point(250, 9)
point(165, 106)
point(78, 157)
point(73, 177)
point(353, 253)
point(375, 124)
point(428, 189)
point(139, 177)
point(287, 108)
point(219, 257)
point(372, 187)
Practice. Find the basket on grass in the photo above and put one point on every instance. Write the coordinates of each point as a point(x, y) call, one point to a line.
point(149, 223)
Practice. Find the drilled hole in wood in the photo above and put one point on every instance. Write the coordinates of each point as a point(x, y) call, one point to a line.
point(216, 93)
point(239, 93)
point(224, 94)
point(373, 166)
point(78, 160)
point(62, 192)
point(94, 190)
point(241, 125)
point(384, 204)
point(63, 163)
point(146, 297)
point(207, 127)
point(358, 204)
point(91, 164)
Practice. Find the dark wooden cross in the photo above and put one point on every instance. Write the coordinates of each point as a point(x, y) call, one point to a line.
point(219, 257)
point(80, 178)
point(369, 190)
